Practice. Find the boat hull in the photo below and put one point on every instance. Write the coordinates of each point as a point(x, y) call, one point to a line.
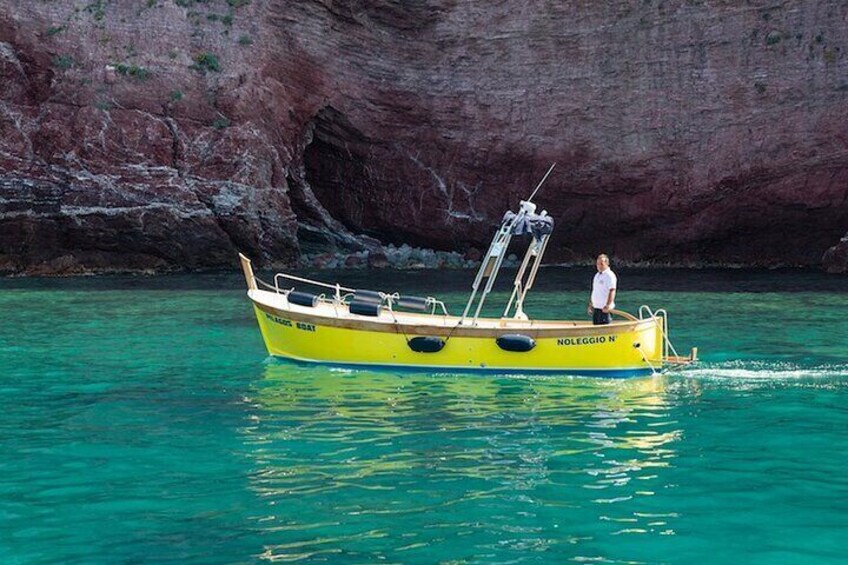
point(622, 349)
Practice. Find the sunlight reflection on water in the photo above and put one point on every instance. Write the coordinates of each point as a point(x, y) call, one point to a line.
point(502, 453)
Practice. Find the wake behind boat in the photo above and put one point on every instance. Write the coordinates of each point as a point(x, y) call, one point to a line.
point(347, 326)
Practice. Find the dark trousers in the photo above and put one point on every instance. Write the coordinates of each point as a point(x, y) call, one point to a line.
point(599, 317)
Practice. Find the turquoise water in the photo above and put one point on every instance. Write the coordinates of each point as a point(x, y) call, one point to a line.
point(141, 422)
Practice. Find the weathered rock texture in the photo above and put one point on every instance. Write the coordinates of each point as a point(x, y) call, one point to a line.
point(835, 259)
point(171, 133)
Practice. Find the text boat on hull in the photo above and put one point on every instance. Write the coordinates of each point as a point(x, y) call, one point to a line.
point(346, 326)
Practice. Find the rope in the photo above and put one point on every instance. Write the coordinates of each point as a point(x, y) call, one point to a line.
point(450, 333)
point(397, 324)
point(654, 372)
point(400, 327)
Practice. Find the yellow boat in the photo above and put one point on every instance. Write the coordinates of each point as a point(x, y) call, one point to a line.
point(350, 327)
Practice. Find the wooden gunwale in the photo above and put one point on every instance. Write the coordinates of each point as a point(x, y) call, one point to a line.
point(535, 329)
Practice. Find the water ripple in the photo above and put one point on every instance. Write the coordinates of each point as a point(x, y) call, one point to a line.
point(142, 426)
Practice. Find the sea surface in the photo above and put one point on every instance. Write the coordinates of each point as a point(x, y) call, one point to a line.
point(141, 421)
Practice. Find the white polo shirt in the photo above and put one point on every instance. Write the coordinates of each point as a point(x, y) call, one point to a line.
point(601, 285)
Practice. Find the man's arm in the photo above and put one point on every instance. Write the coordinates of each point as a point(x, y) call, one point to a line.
point(610, 300)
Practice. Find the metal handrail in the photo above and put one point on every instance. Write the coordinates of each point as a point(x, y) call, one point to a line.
point(313, 282)
point(667, 345)
point(440, 304)
point(267, 285)
point(643, 309)
point(338, 298)
point(431, 301)
point(662, 312)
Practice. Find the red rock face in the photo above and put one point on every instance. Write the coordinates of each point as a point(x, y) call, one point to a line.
point(170, 134)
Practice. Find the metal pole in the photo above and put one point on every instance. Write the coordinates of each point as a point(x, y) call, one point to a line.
point(491, 280)
point(518, 279)
point(502, 239)
point(541, 182)
point(533, 270)
point(479, 276)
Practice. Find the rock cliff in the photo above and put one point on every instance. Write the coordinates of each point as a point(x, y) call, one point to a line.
point(835, 259)
point(163, 134)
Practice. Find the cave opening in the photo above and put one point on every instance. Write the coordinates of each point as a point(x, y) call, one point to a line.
point(335, 173)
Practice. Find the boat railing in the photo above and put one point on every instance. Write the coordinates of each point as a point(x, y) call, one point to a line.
point(392, 300)
point(432, 304)
point(269, 286)
point(343, 294)
point(336, 287)
point(645, 312)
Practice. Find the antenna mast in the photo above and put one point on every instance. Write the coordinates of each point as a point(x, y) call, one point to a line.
point(541, 182)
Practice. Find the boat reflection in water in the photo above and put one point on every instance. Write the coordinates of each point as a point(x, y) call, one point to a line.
point(383, 465)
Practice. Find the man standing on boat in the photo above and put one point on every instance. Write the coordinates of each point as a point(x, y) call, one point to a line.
point(602, 300)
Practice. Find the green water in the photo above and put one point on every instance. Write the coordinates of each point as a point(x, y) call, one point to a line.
point(141, 422)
